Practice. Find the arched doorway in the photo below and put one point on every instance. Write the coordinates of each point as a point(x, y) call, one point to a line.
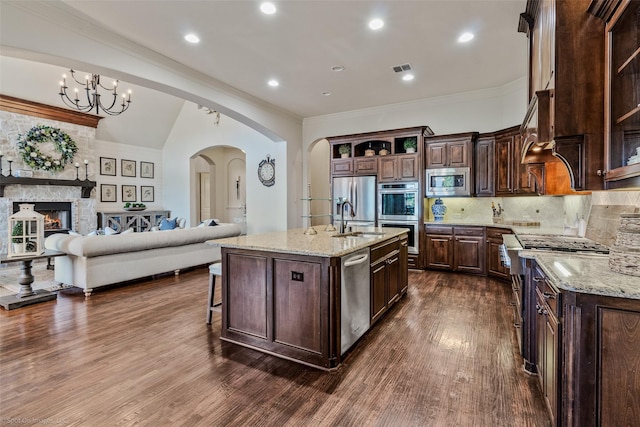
point(219, 175)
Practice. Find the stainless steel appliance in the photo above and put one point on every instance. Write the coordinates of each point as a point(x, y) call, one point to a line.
point(448, 182)
point(414, 229)
point(398, 201)
point(355, 312)
point(361, 192)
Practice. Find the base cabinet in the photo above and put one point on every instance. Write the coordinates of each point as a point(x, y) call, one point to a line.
point(587, 354)
point(456, 248)
point(495, 267)
point(388, 278)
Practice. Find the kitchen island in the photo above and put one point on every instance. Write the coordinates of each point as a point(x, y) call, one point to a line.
point(308, 298)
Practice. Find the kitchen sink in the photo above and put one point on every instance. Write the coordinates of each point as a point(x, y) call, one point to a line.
point(359, 234)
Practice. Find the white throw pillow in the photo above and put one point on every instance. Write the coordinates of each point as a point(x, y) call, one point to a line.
point(93, 233)
point(108, 231)
point(127, 231)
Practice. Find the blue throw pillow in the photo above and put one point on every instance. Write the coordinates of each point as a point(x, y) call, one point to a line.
point(167, 224)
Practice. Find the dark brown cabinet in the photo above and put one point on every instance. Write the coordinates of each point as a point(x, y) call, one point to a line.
point(495, 267)
point(565, 118)
point(398, 168)
point(439, 247)
point(547, 341)
point(585, 350)
point(622, 96)
point(485, 166)
point(388, 279)
point(450, 151)
point(512, 177)
point(456, 248)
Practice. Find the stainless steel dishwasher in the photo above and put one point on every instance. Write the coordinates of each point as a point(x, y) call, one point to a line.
point(355, 298)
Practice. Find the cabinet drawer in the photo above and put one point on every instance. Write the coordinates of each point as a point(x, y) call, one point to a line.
point(496, 233)
point(469, 231)
point(548, 293)
point(383, 251)
point(439, 229)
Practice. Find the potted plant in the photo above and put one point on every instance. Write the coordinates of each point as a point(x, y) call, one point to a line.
point(344, 150)
point(410, 145)
point(18, 243)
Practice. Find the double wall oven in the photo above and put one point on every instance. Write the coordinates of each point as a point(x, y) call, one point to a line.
point(398, 208)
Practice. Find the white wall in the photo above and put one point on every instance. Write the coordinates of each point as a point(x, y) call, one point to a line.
point(137, 154)
point(193, 133)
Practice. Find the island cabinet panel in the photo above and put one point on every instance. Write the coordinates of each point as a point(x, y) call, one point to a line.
point(248, 296)
point(297, 307)
point(281, 304)
point(387, 276)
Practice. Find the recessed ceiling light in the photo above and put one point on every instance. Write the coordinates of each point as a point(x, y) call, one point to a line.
point(407, 77)
point(465, 37)
point(192, 38)
point(273, 83)
point(376, 24)
point(337, 68)
point(268, 8)
point(326, 93)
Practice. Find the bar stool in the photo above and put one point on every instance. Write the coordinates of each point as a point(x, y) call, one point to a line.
point(215, 269)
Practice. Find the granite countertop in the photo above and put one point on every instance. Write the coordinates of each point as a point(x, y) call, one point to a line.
point(585, 273)
point(509, 225)
point(321, 244)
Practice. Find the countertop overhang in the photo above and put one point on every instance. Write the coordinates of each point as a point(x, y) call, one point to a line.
point(585, 273)
point(323, 244)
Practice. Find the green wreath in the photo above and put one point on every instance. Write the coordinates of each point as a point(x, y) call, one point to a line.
point(27, 145)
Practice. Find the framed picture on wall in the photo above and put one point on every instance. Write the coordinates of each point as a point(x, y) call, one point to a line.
point(146, 169)
point(146, 193)
point(108, 193)
point(107, 166)
point(129, 193)
point(128, 168)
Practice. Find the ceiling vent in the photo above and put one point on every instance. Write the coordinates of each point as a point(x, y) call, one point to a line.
point(402, 68)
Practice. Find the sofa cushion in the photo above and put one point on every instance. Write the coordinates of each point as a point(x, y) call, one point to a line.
point(92, 246)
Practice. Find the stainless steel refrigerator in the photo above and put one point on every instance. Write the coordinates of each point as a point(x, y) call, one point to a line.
point(361, 192)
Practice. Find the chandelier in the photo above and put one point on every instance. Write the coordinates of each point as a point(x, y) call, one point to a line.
point(91, 86)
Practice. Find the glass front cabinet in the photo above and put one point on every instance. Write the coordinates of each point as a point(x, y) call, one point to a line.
point(622, 112)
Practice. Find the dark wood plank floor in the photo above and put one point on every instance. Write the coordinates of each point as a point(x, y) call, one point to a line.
point(143, 355)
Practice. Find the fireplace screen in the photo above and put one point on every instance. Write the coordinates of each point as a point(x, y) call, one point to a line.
point(57, 215)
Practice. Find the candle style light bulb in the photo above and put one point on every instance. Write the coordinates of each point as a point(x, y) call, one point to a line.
point(86, 162)
point(77, 164)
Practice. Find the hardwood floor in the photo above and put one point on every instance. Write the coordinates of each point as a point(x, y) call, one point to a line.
point(142, 354)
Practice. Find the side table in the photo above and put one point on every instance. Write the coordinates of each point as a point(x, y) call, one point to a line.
point(27, 295)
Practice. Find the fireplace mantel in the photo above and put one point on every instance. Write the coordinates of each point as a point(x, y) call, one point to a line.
point(85, 185)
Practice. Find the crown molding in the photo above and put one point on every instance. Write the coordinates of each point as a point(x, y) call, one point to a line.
point(30, 108)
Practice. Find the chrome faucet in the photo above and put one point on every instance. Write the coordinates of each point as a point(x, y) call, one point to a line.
point(343, 223)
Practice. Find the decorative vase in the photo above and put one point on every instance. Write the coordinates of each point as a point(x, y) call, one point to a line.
point(411, 150)
point(369, 153)
point(344, 155)
point(439, 209)
point(383, 152)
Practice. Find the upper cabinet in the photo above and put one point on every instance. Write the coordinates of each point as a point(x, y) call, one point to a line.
point(393, 155)
point(450, 151)
point(622, 90)
point(565, 119)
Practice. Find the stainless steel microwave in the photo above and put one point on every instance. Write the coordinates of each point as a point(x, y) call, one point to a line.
point(448, 182)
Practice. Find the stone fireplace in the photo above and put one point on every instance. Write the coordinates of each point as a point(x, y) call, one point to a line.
point(57, 215)
point(80, 213)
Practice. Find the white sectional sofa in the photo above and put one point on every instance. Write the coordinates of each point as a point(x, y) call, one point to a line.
point(94, 261)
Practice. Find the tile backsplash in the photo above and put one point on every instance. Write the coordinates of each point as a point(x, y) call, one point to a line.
point(601, 209)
